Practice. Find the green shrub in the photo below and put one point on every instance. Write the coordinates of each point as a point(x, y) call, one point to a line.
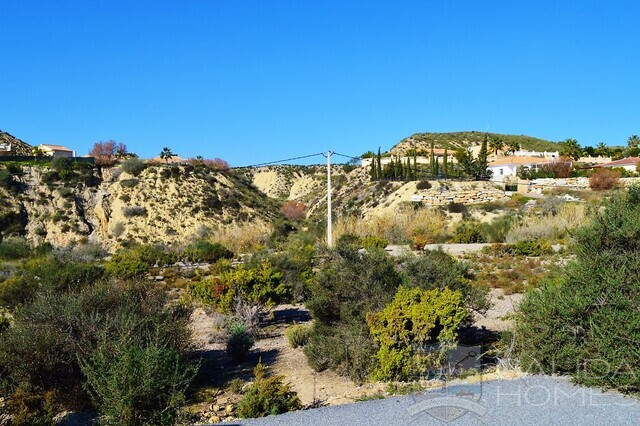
point(372, 242)
point(414, 317)
point(12, 249)
point(297, 335)
point(348, 285)
point(435, 269)
point(259, 285)
point(134, 211)
point(239, 342)
point(497, 230)
point(423, 184)
point(469, 232)
point(47, 274)
point(136, 261)
point(62, 164)
point(102, 329)
point(457, 208)
point(206, 251)
point(129, 183)
point(267, 396)
point(532, 248)
point(586, 321)
point(133, 166)
point(134, 384)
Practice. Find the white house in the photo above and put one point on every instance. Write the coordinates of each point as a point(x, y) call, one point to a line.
point(509, 166)
point(544, 154)
point(56, 150)
point(629, 164)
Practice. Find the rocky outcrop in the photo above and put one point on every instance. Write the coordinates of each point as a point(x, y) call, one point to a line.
point(164, 204)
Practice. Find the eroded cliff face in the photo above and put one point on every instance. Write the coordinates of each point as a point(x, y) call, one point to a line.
point(164, 204)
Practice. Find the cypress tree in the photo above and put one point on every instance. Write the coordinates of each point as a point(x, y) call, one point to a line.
point(481, 163)
point(379, 164)
point(445, 160)
point(373, 170)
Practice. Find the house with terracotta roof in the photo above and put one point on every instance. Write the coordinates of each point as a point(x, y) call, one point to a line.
point(509, 166)
point(629, 164)
point(56, 150)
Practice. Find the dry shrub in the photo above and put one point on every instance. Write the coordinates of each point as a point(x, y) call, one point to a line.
point(106, 153)
point(405, 225)
point(604, 179)
point(561, 169)
point(216, 163)
point(293, 210)
point(550, 226)
point(242, 238)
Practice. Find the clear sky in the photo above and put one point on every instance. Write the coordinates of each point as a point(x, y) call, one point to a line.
point(254, 81)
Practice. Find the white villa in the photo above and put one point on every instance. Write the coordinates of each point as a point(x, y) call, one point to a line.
point(629, 164)
point(507, 167)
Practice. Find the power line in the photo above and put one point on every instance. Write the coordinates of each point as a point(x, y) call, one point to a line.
point(278, 161)
point(347, 156)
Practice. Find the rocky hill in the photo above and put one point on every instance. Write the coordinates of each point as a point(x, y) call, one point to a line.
point(163, 204)
point(454, 140)
point(18, 147)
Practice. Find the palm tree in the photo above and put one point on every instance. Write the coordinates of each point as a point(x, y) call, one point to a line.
point(37, 151)
point(633, 141)
point(166, 154)
point(514, 146)
point(496, 144)
point(601, 149)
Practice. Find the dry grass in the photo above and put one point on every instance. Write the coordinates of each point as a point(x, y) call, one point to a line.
point(242, 238)
point(403, 226)
point(552, 227)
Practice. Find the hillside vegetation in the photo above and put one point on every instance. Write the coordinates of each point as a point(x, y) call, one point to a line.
point(453, 140)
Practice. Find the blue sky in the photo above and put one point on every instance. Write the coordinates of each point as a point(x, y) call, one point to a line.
point(254, 81)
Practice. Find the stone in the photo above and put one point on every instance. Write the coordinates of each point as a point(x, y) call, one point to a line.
point(214, 419)
point(229, 408)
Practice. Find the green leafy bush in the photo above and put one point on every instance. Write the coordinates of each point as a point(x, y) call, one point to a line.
point(13, 248)
point(267, 396)
point(206, 251)
point(239, 342)
point(259, 285)
point(586, 321)
point(104, 331)
point(134, 384)
point(538, 247)
point(469, 232)
point(371, 242)
point(129, 183)
point(133, 166)
point(297, 335)
point(423, 184)
point(348, 285)
point(137, 261)
point(414, 317)
point(435, 269)
point(49, 273)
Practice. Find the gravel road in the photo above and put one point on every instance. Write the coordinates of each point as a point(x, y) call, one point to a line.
point(531, 400)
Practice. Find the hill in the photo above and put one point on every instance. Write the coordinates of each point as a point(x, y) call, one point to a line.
point(18, 147)
point(163, 204)
point(454, 140)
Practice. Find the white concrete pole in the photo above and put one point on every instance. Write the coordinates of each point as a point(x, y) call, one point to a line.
point(329, 233)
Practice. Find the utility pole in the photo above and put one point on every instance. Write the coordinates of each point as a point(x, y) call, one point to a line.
point(329, 234)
